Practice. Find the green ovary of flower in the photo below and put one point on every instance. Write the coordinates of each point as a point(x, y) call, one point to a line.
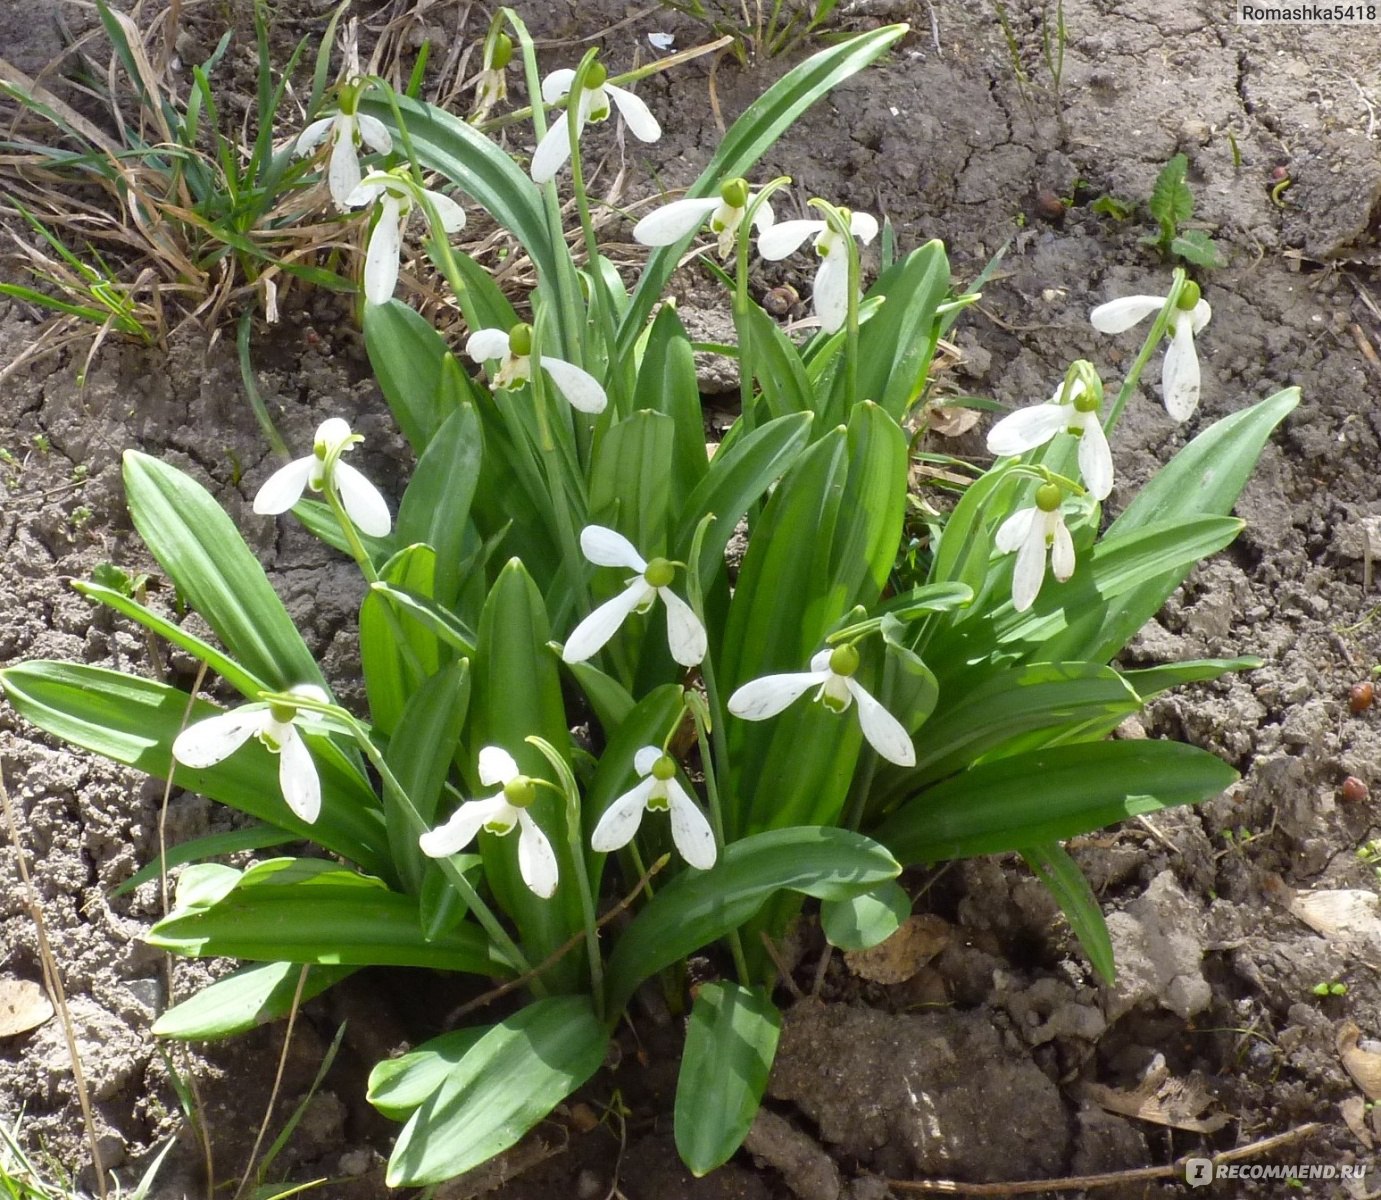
point(520, 340)
point(1087, 402)
point(282, 713)
point(520, 791)
point(502, 53)
point(1189, 297)
point(664, 768)
point(735, 193)
point(595, 76)
point(659, 573)
point(844, 661)
point(1048, 497)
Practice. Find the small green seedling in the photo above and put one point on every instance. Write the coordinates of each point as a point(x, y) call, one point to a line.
point(1108, 205)
point(1172, 204)
point(1329, 988)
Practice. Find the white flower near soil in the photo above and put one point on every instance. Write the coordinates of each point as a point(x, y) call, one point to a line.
point(361, 499)
point(1077, 415)
point(396, 195)
point(596, 99)
point(1031, 532)
point(491, 87)
point(345, 131)
point(667, 225)
point(832, 673)
point(659, 791)
point(1180, 371)
point(513, 349)
point(831, 290)
point(275, 725)
point(500, 814)
point(606, 548)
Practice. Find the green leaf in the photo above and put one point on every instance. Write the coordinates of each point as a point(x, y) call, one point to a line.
point(863, 921)
point(667, 384)
point(399, 1086)
point(397, 655)
point(408, 356)
point(412, 606)
point(1047, 795)
point(213, 845)
point(203, 553)
point(730, 1044)
point(698, 907)
point(311, 911)
point(630, 477)
point(511, 1078)
point(776, 364)
point(966, 544)
point(243, 999)
point(1053, 866)
point(1172, 203)
point(134, 721)
point(1154, 680)
point(1195, 246)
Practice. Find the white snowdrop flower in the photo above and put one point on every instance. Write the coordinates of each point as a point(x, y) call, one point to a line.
point(1076, 414)
point(832, 672)
point(595, 98)
point(275, 725)
point(500, 814)
point(492, 86)
point(659, 791)
point(361, 499)
point(396, 195)
point(345, 130)
point(831, 291)
point(1179, 377)
point(606, 548)
point(514, 350)
point(1031, 532)
point(669, 224)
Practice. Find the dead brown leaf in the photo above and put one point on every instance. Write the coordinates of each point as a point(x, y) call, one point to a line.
point(23, 1006)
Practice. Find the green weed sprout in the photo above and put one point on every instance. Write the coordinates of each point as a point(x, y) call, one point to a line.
point(1171, 205)
point(846, 698)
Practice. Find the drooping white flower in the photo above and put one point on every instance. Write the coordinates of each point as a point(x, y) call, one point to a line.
point(361, 499)
point(1076, 415)
point(396, 195)
point(595, 97)
point(1031, 532)
point(669, 224)
point(275, 725)
point(499, 814)
point(606, 548)
point(832, 673)
point(659, 791)
point(831, 292)
point(346, 131)
point(514, 350)
point(1179, 377)
point(492, 85)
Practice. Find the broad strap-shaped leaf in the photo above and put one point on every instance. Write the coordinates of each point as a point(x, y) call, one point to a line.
point(1049, 795)
point(511, 1078)
point(397, 654)
point(1154, 680)
point(630, 479)
point(863, 921)
point(667, 383)
point(776, 364)
point(203, 553)
point(700, 906)
point(1053, 866)
point(243, 999)
point(399, 1086)
point(252, 837)
point(730, 1044)
point(407, 354)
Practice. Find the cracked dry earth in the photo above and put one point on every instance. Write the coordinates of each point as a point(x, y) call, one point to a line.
point(985, 1051)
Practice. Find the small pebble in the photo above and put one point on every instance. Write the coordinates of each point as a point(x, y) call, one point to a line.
point(1353, 790)
point(1049, 205)
point(1360, 698)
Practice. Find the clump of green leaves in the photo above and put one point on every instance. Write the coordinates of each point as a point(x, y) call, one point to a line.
point(1171, 205)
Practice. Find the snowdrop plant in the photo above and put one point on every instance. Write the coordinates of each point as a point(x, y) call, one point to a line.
point(393, 195)
point(511, 686)
point(345, 131)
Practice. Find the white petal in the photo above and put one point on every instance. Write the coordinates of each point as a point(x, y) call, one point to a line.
point(762, 698)
point(636, 115)
point(374, 133)
point(367, 192)
point(580, 388)
point(1180, 372)
point(672, 222)
point(298, 778)
point(764, 218)
point(362, 502)
point(485, 344)
point(451, 214)
point(820, 660)
point(464, 824)
point(646, 759)
point(1117, 316)
point(884, 732)
point(1095, 458)
point(557, 84)
point(1027, 429)
point(496, 766)
point(589, 636)
point(783, 239)
point(831, 297)
point(381, 259)
point(689, 829)
point(1201, 315)
point(536, 861)
point(864, 226)
point(1012, 533)
point(622, 818)
point(552, 151)
point(208, 742)
point(332, 433)
point(284, 487)
point(609, 548)
point(343, 174)
point(1029, 572)
point(1061, 551)
point(312, 137)
point(685, 634)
